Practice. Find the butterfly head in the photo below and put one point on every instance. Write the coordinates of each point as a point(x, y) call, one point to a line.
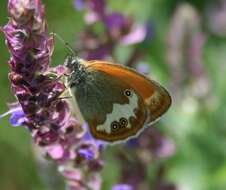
point(72, 63)
point(76, 70)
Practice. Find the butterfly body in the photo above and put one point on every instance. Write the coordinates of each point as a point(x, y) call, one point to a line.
point(110, 103)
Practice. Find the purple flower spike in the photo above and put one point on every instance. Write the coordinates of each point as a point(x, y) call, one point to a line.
point(122, 187)
point(38, 88)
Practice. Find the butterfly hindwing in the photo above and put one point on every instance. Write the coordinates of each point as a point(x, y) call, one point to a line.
point(113, 110)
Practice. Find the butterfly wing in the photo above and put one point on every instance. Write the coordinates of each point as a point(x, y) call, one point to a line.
point(156, 97)
point(113, 110)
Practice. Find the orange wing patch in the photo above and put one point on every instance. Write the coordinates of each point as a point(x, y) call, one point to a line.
point(141, 83)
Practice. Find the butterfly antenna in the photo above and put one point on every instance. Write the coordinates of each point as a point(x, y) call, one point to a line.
point(67, 45)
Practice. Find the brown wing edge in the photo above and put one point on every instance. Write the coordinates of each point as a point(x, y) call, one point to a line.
point(158, 103)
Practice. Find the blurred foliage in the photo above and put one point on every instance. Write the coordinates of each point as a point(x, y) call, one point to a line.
point(197, 126)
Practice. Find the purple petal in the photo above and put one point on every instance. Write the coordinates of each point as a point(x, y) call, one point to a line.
point(55, 151)
point(15, 40)
point(94, 182)
point(166, 149)
point(150, 31)
point(115, 20)
point(70, 173)
point(143, 68)
point(46, 138)
point(88, 137)
point(91, 17)
point(98, 6)
point(17, 117)
point(132, 142)
point(87, 153)
point(137, 35)
point(79, 4)
point(99, 53)
point(60, 113)
point(122, 187)
point(60, 70)
point(72, 129)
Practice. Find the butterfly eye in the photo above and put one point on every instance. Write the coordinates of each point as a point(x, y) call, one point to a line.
point(123, 122)
point(115, 125)
point(128, 92)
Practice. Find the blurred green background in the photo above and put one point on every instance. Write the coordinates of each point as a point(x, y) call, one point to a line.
point(196, 121)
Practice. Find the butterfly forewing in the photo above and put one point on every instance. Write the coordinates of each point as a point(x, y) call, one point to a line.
point(156, 97)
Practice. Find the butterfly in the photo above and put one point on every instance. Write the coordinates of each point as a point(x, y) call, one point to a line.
point(116, 101)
